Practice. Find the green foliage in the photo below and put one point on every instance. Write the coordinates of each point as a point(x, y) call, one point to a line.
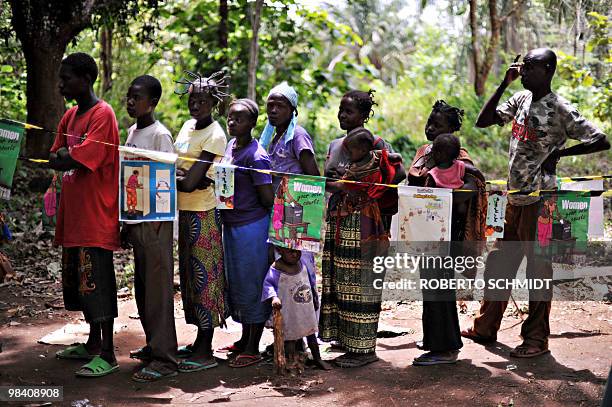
point(12, 69)
point(323, 52)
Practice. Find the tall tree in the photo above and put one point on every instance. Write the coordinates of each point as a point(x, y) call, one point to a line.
point(45, 28)
point(254, 48)
point(106, 58)
point(483, 64)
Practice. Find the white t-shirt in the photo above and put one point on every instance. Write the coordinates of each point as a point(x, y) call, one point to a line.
point(154, 137)
point(190, 143)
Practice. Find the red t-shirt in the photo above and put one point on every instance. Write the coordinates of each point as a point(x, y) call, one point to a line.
point(88, 213)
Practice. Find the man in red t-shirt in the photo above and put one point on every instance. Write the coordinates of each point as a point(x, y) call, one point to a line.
point(88, 217)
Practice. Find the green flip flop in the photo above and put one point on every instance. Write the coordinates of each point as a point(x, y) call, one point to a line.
point(76, 351)
point(98, 367)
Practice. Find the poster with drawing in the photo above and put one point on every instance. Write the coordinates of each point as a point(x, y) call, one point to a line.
point(596, 204)
point(10, 142)
point(562, 225)
point(224, 185)
point(496, 213)
point(424, 218)
point(297, 213)
point(147, 190)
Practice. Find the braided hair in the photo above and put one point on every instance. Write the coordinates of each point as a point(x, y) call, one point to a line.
point(454, 115)
point(214, 85)
point(364, 100)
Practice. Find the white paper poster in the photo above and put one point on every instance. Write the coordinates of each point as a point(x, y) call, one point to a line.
point(496, 213)
point(224, 186)
point(424, 217)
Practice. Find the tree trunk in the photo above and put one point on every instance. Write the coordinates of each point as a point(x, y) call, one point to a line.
point(44, 103)
point(106, 59)
point(254, 49)
point(474, 40)
point(222, 31)
point(44, 29)
point(482, 68)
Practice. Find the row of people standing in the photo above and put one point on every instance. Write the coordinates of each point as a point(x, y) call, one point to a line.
point(355, 217)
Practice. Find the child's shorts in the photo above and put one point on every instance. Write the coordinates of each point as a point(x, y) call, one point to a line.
point(88, 282)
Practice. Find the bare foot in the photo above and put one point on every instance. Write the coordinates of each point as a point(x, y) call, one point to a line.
point(321, 364)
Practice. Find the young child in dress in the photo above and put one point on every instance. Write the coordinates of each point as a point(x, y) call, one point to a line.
point(291, 287)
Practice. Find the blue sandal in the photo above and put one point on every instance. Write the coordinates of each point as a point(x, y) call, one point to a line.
point(188, 366)
point(148, 375)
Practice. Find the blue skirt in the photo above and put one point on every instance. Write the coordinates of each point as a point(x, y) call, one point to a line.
point(246, 265)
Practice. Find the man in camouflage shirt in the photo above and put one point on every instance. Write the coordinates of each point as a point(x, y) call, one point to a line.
point(542, 121)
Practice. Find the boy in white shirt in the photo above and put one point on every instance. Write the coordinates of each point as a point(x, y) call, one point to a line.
point(152, 243)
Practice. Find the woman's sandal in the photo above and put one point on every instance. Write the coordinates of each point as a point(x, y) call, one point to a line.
point(148, 375)
point(349, 361)
point(188, 366)
point(431, 358)
point(98, 367)
point(523, 351)
point(243, 360)
point(76, 351)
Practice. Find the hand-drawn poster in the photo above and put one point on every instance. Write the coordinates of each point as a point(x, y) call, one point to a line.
point(596, 205)
point(563, 222)
point(147, 190)
point(496, 213)
point(224, 186)
point(424, 217)
point(10, 142)
point(297, 213)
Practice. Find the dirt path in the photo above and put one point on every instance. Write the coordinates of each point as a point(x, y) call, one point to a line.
point(574, 374)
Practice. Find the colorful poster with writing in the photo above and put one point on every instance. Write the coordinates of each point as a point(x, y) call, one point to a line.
point(563, 223)
point(596, 204)
point(297, 213)
point(496, 213)
point(147, 190)
point(10, 142)
point(224, 186)
point(424, 217)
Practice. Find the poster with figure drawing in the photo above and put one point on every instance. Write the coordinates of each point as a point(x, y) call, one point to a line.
point(496, 214)
point(147, 190)
point(424, 217)
point(596, 204)
point(224, 185)
point(562, 225)
point(297, 213)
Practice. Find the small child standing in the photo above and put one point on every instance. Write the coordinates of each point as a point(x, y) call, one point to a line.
point(292, 289)
point(152, 243)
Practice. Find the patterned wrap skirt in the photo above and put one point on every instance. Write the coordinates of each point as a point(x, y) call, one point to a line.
point(201, 268)
point(350, 305)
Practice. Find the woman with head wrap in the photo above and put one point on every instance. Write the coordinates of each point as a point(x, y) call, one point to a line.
point(200, 248)
point(289, 145)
